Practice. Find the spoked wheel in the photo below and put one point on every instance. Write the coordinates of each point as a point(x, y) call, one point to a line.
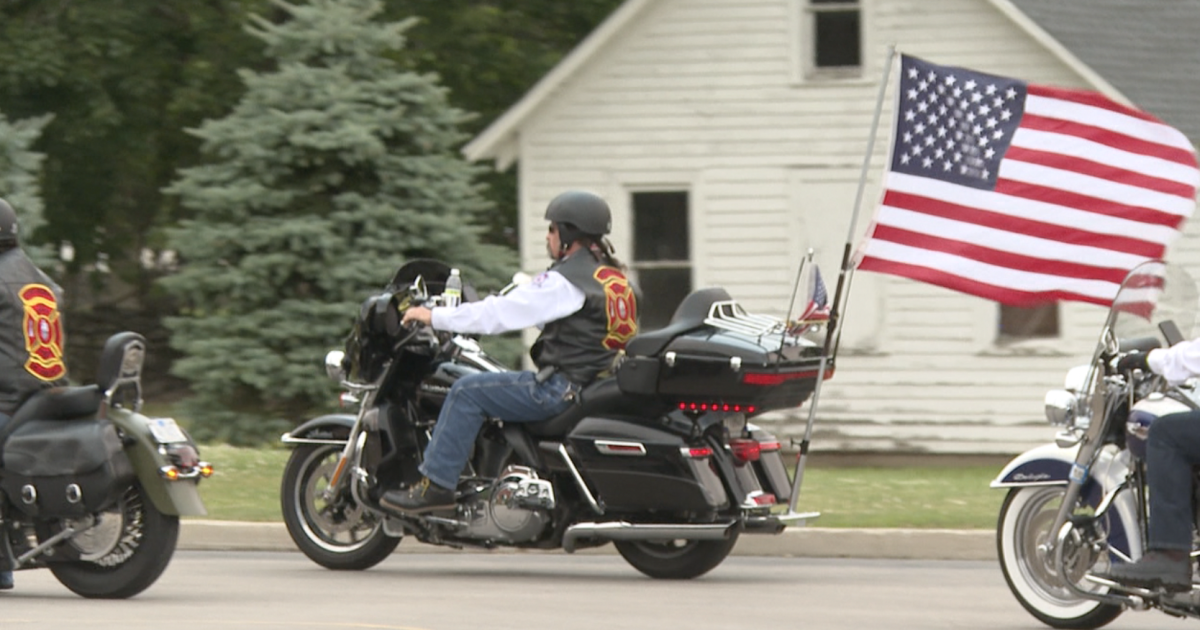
point(124, 551)
point(1024, 542)
point(676, 559)
point(335, 532)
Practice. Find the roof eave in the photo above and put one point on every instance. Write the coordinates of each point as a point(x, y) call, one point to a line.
point(1024, 22)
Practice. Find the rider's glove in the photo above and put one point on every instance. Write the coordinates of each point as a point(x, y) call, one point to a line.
point(1133, 361)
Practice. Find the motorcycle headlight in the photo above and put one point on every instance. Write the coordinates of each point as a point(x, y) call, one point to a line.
point(1060, 407)
point(333, 365)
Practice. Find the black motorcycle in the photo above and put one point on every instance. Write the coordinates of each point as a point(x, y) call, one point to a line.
point(659, 459)
point(92, 489)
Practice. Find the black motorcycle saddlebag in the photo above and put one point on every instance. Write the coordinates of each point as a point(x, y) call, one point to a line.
point(636, 467)
point(64, 468)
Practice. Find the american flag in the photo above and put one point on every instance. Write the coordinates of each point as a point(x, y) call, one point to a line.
point(1023, 193)
point(816, 306)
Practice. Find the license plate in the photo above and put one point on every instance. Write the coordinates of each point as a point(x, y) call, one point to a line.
point(166, 431)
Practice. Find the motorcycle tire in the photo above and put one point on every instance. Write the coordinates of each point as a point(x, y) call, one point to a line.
point(338, 534)
point(676, 559)
point(1021, 533)
point(146, 541)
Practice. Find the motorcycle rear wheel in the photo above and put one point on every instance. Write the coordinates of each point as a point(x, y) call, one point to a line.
point(337, 534)
point(1022, 534)
point(146, 541)
point(676, 559)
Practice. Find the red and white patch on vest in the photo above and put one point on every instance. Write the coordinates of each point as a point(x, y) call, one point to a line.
point(621, 307)
point(43, 332)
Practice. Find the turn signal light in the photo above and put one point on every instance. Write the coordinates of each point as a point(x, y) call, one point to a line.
point(745, 450)
point(170, 473)
point(206, 470)
point(763, 499)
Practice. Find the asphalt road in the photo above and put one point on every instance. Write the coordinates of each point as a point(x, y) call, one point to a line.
point(224, 590)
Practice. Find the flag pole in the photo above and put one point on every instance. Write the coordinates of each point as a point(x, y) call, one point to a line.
point(842, 284)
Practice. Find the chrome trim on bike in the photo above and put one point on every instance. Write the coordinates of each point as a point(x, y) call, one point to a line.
point(617, 447)
point(288, 438)
point(587, 494)
point(66, 533)
point(621, 530)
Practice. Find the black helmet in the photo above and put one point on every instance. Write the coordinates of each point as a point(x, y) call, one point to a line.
point(584, 211)
point(8, 225)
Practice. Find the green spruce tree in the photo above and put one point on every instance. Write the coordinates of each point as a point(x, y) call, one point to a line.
point(335, 166)
point(20, 167)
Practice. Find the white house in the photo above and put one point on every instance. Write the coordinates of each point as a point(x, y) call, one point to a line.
point(729, 137)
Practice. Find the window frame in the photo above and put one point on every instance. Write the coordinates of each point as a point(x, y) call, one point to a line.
point(803, 41)
point(636, 265)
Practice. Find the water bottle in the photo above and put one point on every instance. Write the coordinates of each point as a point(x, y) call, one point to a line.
point(452, 296)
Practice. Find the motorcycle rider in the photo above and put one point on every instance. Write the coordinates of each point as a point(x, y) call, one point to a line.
point(587, 310)
point(1172, 449)
point(31, 337)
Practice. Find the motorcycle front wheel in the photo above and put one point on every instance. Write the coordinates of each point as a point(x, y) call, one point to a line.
point(1023, 541)
point(335, 532)
point(676, 559)
point(125, 551)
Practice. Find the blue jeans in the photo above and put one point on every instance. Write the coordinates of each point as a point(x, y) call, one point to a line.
point(1172, 449)
point(507, 396)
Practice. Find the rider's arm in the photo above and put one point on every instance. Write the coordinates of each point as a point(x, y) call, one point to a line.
point(1177, 363)
point(549, 297)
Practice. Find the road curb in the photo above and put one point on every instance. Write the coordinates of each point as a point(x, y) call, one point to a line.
point(813, 542)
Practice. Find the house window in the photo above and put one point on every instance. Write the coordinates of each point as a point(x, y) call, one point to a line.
point(661, 255)
point(833, 34)
point(1018, 324)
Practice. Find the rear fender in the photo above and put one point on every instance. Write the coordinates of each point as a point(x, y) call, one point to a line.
point(176, 498)
point(329, 429)
point(1050, 465)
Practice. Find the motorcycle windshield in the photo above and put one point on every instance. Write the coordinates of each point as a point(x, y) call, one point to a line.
point(1152, 294)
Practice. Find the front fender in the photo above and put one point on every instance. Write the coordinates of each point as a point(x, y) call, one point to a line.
point(1050, 465)
point(328, 429)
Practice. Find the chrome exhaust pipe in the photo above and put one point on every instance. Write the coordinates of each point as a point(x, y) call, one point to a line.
point(621, 530)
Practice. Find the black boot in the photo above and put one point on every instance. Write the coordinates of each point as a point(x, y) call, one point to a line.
point(1170, 569)
point(419, 498)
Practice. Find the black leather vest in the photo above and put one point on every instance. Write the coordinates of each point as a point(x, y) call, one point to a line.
point(32, 339)
point(586, 342)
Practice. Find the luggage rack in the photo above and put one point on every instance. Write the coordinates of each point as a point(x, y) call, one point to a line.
point(729, 315)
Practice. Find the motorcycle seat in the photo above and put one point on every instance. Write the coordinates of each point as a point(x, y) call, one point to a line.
point(599, 398)
point(55, 403)
point(689, 315)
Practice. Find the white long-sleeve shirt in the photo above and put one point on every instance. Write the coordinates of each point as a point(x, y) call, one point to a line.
point(1177, 363)
point(549, 297)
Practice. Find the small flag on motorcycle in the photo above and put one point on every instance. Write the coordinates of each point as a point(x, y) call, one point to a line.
point(816, 306)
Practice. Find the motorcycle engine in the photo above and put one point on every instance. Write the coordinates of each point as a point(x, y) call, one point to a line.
point(515, 509)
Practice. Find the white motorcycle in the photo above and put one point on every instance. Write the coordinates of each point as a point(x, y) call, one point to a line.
point(1078, 505)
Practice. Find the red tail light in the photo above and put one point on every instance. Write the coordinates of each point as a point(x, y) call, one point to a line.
point(768, 446)
point(745, 450)
point(704, 406)
point(768, 379)
point(696, 452)
point(762, 498)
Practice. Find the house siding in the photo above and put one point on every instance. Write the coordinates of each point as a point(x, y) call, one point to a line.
point(699, 95)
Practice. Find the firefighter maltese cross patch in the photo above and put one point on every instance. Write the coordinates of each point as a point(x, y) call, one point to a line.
point(43, 333)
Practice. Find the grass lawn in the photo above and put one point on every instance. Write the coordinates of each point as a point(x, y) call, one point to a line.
point(245, 487)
